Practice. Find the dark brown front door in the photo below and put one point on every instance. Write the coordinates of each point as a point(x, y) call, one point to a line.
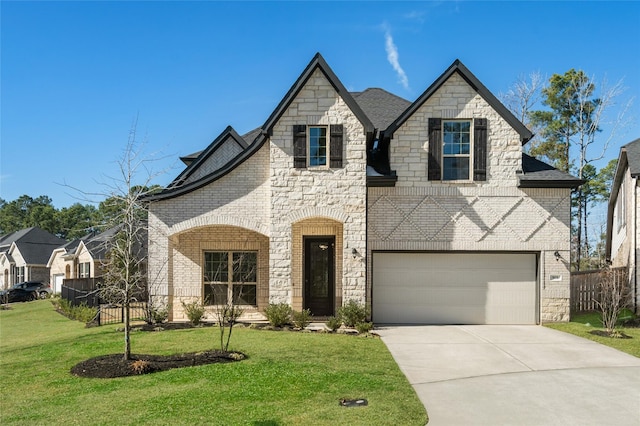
point(319, 282)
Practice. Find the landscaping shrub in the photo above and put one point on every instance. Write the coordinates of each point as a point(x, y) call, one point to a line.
point(194, 311)
point(157, 314)
point(301, 319)
point(333, 323)
point(80, 312)
point(353, 313)
point(278, 314)
point(364, 327)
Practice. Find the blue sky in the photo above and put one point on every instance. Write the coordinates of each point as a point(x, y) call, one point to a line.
point(75, 75)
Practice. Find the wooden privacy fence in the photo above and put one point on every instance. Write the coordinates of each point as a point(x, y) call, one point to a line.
point(85, 290)
point(585, 288)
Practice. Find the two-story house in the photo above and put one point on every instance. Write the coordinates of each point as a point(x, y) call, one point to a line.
point(426, 211)
point(623, 228)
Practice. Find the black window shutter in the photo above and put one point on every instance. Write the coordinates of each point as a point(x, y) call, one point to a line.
point(335, 148)
point(435, 148)
point(480, 149)
point(299, 146)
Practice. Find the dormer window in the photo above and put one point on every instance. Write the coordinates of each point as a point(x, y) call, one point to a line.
point(456, 150)
point(317, 146)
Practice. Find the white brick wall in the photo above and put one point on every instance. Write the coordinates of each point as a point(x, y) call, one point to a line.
point(240, 198)
point(493, 215)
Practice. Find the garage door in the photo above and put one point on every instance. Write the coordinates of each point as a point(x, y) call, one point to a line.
point(446, 288)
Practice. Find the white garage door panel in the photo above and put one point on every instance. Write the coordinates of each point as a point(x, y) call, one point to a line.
point(446, 288)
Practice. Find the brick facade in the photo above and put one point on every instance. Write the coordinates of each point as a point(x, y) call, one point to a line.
point(267, 204)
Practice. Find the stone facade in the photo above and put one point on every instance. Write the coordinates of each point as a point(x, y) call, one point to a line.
point(337, 194)
point(266, 204)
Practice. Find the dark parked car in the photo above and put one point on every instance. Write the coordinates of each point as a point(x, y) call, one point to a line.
point(23, 292)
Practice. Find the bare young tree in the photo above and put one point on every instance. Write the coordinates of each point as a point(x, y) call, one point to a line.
point(614, 296)
point(125, 280)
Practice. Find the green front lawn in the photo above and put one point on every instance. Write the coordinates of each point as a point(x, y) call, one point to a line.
point(583, 324)
point(289, 378)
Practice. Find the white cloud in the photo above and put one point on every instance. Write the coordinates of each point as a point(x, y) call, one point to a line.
point(393, 57)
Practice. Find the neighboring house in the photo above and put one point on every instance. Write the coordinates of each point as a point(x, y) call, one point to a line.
point(622, 215)
point(24, 254)
point(427, 211)
point(81, 258)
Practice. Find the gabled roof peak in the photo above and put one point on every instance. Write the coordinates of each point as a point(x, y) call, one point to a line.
point(458, 67)
point(317, 62)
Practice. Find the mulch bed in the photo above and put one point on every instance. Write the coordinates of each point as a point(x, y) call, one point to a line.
point(114, 365)
point(616, 335)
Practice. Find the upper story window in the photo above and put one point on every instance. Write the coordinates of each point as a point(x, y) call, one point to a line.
point(456, 150)
point(317, 146)
point(620, 208)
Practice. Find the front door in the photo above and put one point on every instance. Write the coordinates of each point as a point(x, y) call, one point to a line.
point(319, 282)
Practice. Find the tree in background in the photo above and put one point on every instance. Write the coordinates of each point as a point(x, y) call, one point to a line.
point(76, 221)
point(568, 129)
point(26, 212)
point(523, 95)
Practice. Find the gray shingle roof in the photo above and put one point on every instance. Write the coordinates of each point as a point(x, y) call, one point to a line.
point(35, 244)
point(633, 157)
point(380, 106)
point(536, 174)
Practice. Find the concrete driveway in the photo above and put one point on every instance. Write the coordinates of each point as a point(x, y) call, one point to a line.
point(515, 375)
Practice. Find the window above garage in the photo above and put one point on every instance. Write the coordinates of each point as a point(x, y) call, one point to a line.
point(457, 150)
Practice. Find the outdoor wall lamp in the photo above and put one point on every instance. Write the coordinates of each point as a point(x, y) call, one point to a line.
point(557, 255)
point(354, 252)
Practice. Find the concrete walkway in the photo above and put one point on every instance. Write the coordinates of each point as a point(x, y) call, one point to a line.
point(515, 375)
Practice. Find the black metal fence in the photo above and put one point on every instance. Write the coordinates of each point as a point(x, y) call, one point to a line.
point(82, 290)
point(86, 290)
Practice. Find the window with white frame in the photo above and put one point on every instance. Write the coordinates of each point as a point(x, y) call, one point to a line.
point(84, 270)
point(456, 150)
point(230, 276)
point(318, 148)
point(20, 274)
point(620, 207)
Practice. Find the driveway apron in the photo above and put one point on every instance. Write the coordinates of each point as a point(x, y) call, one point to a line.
point(515, 375)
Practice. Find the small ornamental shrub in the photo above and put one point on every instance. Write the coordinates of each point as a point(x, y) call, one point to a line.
point(194, 311)
point(278, 314)
point(364, 327)
point(301, 319)
point(157, 314)
point(81, 312)
point(352, 313)
point(333, 323)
